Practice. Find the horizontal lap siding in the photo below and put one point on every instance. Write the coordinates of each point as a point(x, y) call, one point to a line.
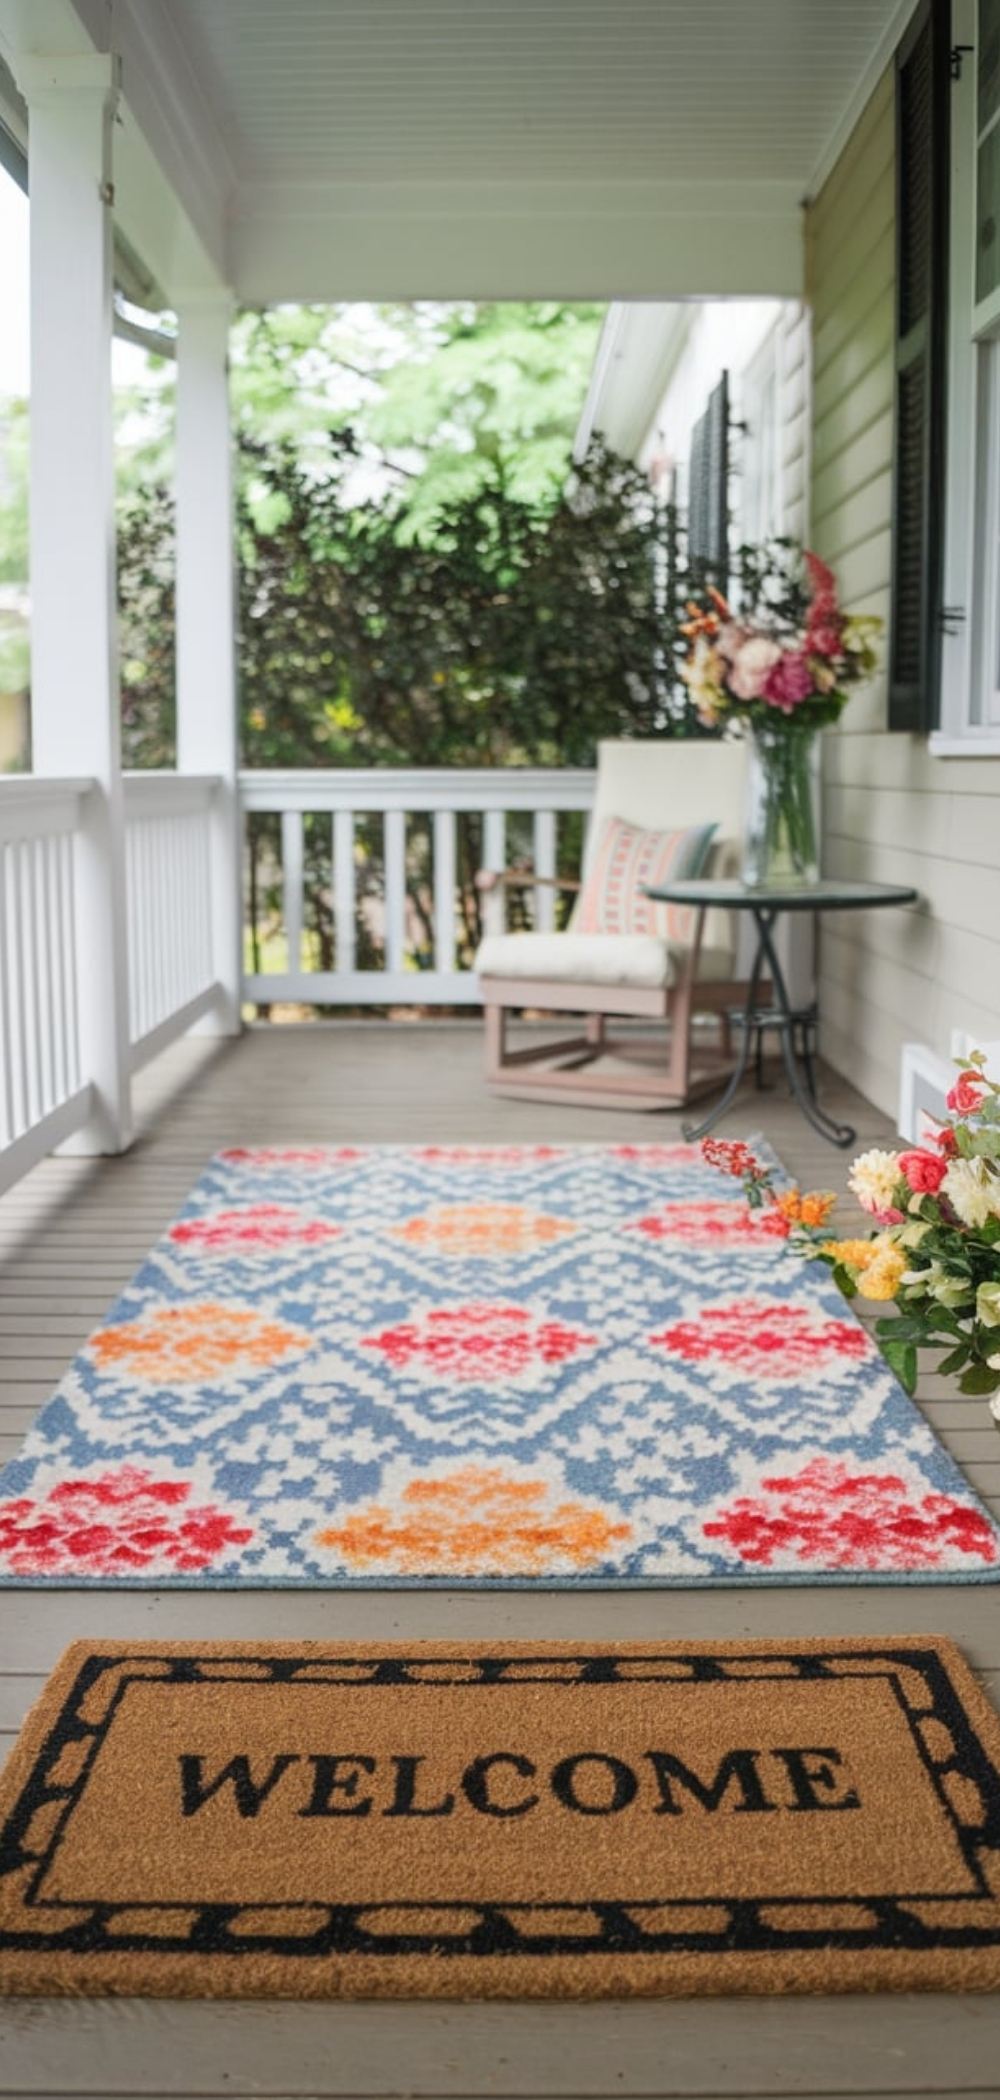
point(891, 813)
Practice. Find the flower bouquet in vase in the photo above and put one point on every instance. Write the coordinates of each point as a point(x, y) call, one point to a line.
point(782, 664)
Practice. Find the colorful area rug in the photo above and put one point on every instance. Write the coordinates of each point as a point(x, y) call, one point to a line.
point(513, 1820)
point(543, 1365)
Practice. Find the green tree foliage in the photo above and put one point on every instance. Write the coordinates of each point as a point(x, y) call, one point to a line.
point(519, 635)
point(442, 402)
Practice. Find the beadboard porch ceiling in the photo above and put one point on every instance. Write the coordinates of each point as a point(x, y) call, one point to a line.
point(329, 149)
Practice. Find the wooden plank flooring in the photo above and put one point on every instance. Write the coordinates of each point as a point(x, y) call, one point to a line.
point(70, 1237)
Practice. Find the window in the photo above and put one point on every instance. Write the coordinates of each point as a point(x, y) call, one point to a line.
point(970, 714)
point(708, 488)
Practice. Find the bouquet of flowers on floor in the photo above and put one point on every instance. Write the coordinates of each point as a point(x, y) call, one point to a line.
point(934, 1248)
point(788, 655)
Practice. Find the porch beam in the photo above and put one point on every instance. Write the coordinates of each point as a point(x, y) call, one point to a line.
point(74, 697)
point(206, 612)
point(516, 240)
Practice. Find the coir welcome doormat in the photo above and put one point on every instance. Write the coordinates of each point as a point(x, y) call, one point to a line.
point(548, 1365)
point(324, 1820)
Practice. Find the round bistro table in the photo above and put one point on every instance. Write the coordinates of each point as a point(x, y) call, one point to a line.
point(766, 906)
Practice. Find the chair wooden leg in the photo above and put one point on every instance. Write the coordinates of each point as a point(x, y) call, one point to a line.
point(595, 1025)
point(495, 1020)
point(679, 1067)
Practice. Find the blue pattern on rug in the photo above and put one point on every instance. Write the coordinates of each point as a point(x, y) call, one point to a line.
point(545, 1366)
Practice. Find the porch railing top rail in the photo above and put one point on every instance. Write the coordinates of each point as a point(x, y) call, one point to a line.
point(363, 788)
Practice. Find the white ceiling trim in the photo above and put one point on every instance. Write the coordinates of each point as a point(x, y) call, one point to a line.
point(173, 179)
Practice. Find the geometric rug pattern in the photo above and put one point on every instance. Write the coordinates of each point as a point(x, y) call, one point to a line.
point(545, 1365)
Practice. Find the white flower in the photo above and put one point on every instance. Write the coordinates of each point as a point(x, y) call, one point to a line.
point(973, 1190)
point(873, 1179)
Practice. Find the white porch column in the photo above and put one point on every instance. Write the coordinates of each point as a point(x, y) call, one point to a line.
point(207, 739)
point(74, 669)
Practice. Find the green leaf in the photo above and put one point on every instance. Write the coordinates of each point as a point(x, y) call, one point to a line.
point(954, 1361)
point(902, 1358)
point(844, 1280)
point(979, 1378)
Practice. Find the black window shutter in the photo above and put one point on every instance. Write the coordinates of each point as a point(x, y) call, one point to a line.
point(708, 490)
point(922, 112)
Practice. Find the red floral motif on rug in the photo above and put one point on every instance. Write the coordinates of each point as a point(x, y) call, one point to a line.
point(471, 1157)
point(293, 1159)
point(479, 1342)
point(843, 1519)
point(786, 1341)
point(257, 1227)
point(124, 1520)
point(713, 1224)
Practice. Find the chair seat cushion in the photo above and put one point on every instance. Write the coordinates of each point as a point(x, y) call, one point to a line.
point(592, 958)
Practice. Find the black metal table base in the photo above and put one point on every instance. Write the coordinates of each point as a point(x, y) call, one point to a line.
point(796, 1028)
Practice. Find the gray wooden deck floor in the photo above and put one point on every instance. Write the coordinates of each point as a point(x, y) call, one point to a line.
point(70, 1237)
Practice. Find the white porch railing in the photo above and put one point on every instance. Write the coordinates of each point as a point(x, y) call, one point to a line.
point(169, 899)
point(44, 1096)
point(389, 882)
point(371, 892)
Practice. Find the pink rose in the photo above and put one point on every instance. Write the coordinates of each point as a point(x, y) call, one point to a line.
point(751, 663)
point(966, 1095)
point(789, 681)
point(924, 1171)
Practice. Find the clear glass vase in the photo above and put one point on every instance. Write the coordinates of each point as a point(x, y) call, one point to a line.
point(781, 841)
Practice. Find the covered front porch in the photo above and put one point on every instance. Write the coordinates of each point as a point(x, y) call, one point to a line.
point(71, 1234)
point(249, 160)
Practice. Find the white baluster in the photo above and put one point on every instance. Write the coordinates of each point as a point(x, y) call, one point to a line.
point(293, 868)
point(394, 849)
point(344, 898)
point(545, 864)
point(444, 889)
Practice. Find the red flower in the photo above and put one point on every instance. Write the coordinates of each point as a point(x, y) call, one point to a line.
point(966, 1096)
point(823, 639)
point(851, 1520)
point(946, 1140)
point(123, 1522)
point(731, 1156)
point(822, 583)
point(924, 1171)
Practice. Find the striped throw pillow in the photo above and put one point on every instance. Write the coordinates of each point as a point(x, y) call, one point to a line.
point(625, 858)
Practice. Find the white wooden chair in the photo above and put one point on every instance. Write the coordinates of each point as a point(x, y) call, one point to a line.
point(672, 976)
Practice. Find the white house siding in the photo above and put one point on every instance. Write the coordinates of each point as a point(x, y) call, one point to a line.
point(891, 813)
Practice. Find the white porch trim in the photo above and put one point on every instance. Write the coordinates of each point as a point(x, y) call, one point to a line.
point(206, 618)
point(75, 708)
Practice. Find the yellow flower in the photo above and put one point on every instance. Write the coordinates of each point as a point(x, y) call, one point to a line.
point(885, 1273)
point(854, 1254)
